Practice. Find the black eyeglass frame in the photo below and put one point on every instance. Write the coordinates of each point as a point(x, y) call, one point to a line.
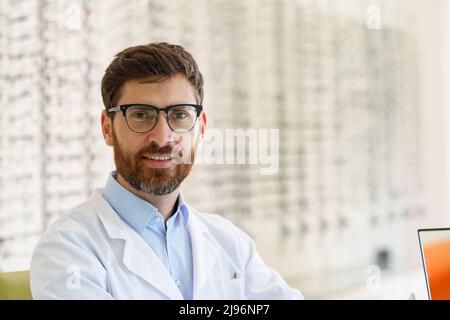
point(124, 108)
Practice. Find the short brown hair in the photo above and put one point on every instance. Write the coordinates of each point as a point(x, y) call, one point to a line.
point(154, 59)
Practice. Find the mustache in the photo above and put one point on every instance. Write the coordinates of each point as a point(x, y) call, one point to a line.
point(166, 150)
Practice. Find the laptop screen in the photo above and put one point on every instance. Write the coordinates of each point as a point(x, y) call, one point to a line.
point(435, 250)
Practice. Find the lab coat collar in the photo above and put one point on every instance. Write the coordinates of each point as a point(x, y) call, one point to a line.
point(204, 252)
point(138, 256)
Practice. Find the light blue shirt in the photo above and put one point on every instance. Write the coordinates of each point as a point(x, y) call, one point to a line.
point(172, 243)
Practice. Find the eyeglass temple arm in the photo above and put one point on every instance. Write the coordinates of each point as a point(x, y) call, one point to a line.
point(114, 109)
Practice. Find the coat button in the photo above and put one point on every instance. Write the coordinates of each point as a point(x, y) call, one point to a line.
point(178, 283)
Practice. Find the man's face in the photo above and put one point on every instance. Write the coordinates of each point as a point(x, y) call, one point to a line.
point(134, 153)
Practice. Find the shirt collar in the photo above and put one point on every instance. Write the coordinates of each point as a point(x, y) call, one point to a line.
point(134, 210)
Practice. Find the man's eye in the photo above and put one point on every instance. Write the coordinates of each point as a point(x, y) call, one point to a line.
point(139, 115)
point(180, 115)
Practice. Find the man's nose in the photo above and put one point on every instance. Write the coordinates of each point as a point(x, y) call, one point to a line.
point(161, 132)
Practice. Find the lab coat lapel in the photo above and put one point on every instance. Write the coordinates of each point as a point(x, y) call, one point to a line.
point(138, 257)
point(204, 252)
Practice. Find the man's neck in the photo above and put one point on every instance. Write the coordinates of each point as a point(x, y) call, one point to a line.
point(165, 203)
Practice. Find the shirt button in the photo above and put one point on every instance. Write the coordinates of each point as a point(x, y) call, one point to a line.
point(178, 283)
point(157, 219)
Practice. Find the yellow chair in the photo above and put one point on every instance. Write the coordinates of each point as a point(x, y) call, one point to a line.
point(15, 285)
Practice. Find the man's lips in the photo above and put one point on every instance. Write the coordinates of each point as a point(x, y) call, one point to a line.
point(158, 161)
point(157, 157)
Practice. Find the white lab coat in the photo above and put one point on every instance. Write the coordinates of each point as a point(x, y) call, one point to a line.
point(91, 253)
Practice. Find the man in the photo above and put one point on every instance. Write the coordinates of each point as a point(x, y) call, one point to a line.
point(137, 238)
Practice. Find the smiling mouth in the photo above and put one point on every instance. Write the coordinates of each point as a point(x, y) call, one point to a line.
point(158, 161)
point(157, 158)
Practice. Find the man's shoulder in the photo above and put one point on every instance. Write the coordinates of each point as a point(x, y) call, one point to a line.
point(213, 219)
point(78, 220)
point(222, 227)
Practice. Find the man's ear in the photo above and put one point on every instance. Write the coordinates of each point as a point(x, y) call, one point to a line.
point(107, 127)
point(203, 120)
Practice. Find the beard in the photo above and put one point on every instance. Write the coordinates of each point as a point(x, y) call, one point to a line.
point(155, 181)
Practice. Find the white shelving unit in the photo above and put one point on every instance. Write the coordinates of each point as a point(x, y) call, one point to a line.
point(360, 125)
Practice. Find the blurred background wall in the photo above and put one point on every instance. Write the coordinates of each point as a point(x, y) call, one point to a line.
point(358, 90)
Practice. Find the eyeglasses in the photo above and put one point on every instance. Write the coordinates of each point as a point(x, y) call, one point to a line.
point(142, 118)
